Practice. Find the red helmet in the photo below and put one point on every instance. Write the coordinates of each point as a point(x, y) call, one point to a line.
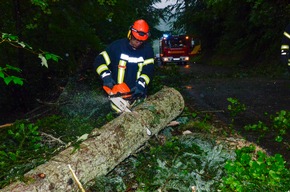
point(140, 30)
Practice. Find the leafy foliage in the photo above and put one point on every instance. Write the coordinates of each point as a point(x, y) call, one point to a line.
point(24, 145)
point(7, 78)
point(280, 125)
point(177, 165)
point(21, 149)
point(250, 172)
point(14, 41)
point(235, 107)
point(68, 129)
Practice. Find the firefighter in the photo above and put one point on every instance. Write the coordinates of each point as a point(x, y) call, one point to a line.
point(285, 47)
point(129, 60)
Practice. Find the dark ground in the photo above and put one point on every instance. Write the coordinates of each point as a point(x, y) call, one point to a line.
point(210, 86)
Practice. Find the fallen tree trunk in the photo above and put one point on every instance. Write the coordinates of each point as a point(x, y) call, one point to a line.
point(104, 148)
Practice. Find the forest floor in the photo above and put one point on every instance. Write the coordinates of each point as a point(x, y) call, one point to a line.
point(205, 90)
point(208, 87)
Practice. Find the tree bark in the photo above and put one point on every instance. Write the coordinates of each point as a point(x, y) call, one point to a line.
point(104, 148)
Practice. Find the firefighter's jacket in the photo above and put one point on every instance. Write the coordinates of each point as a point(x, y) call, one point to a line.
point(125, 63)
point(285, 46)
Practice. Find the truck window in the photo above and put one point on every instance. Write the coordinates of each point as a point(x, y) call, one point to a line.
point(175, 42)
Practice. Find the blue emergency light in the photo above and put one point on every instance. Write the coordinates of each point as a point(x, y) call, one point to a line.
point(165, 35)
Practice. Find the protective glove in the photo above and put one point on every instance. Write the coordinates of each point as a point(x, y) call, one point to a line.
point(139, 91)
point(107, 79)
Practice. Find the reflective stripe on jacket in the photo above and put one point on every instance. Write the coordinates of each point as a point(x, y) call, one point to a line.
point(125, 63)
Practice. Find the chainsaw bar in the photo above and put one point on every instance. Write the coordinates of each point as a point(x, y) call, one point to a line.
point(124, 106)
point(121, 103)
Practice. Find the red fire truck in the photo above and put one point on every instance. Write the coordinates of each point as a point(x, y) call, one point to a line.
point(178, 48)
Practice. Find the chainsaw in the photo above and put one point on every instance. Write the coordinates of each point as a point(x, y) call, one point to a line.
point(120, 95)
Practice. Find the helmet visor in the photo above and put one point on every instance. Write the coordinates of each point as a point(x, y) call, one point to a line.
point(140, 35)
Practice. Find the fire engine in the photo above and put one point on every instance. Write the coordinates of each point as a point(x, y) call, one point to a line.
point(178, 48)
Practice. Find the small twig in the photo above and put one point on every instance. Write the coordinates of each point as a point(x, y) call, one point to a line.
point(35, 109)
point(6, 125)
point(76, 179)
point(53, 138)
point(287, 144)
point(39, 114)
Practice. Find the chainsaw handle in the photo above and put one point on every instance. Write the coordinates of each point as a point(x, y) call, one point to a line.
point(118, 94)
point(119, 90)
point(110, 93)
point(128, 94)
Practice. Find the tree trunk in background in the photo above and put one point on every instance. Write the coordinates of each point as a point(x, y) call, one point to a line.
point(105, 148)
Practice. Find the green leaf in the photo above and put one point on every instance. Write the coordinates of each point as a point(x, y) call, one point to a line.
point(7, 80)
point(55, 57)
point(12, 156)
point(2, 75)
point(17, 80)
point(13, 68)
point(12, 37)
point(48, 56)
point(274, 175)
point(2, 153)
point(10, 132)
point(4, 35)
point(279, 158)
point(31, 26)
point(279, 138)
point(52, 56)
point(245, 159)
point(9, 36)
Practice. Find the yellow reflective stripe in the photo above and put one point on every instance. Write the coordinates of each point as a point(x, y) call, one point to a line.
point(287, 34)
point(106, 57)
point(146, 78)
point(140, 67)
point(102, 68)
point(121, 71)
point(149, 61)
point(284, 46)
